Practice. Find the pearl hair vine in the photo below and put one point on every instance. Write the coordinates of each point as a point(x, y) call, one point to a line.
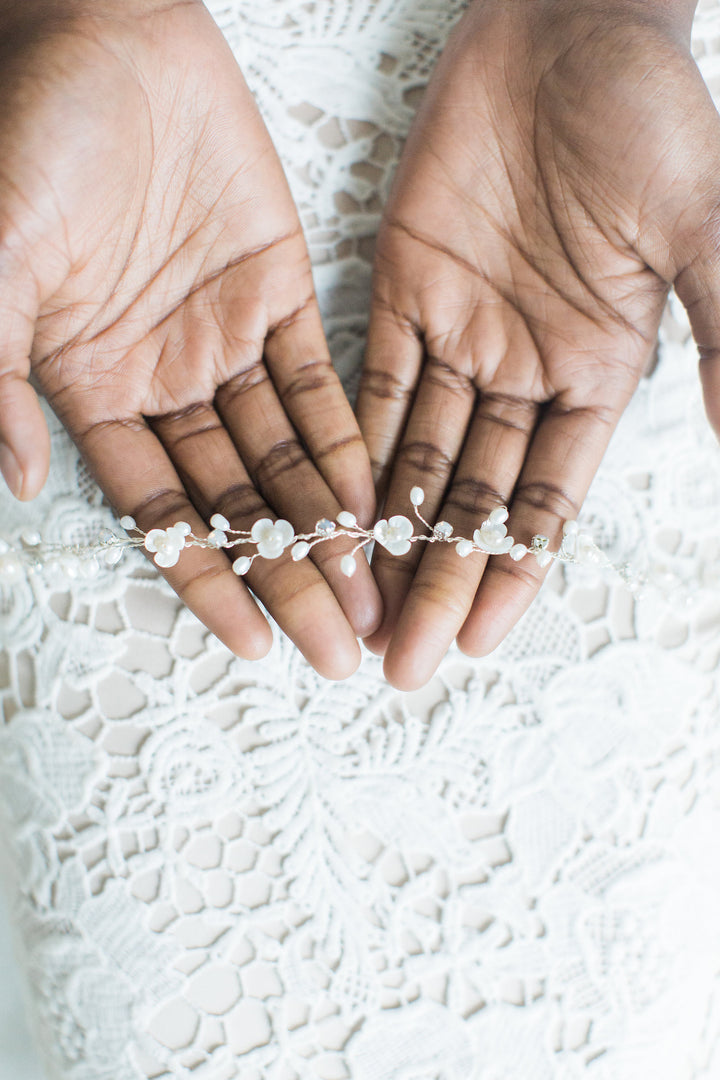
point(272, 538)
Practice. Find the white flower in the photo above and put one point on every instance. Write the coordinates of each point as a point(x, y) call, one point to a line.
point(394, 535)
point(272, 537)
point(167, 544)
point(492, 537)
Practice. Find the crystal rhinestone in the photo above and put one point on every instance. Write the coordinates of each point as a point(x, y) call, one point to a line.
point(499, 515)
point(128, 523)
point(443, 530)
point(106, 536)
point(348, 565)
point(219, 521)
point(31, 537)
point(299, 551)
point(464, 548)
point(518, 552)
point(417, 496)
point(113, 555)
point(346, 519)
point(539, 543)
point(241, 565)
point(325, 527)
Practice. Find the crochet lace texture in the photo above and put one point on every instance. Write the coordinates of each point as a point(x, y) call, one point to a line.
point(225, 870)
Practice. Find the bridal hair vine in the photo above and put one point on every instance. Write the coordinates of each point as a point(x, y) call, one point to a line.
point(271, 539)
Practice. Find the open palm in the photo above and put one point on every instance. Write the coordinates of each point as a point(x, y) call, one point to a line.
point(561, 174)
point(154, 278)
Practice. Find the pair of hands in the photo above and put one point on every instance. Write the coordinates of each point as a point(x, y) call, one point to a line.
point(562, 173)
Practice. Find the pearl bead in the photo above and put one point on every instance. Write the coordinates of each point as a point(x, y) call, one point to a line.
point(183, 528)
point(299, 551)
point(128, 523)
point(544, 558)
point(346, 519)
point(10, 569)
point(31, 537)
point(348, 565)
point(219, 521)
point(499, 515)
point(586, 551)
point(217, 538)
point(241, 565)
point(570, 528)
point(417, 496)
point(518, 552)
point(464, 548)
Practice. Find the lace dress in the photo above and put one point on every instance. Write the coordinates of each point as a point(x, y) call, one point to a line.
point(222, 870)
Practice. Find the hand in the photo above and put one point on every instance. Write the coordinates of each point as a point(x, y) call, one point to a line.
point(154, 277)
point(563, 172)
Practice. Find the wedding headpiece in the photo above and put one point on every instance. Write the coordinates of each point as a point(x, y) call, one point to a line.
point(271, 539)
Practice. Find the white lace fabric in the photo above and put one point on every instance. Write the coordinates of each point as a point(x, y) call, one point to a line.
point(225, 870)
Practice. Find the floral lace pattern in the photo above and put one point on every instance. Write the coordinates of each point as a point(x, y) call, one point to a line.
point(234, 870)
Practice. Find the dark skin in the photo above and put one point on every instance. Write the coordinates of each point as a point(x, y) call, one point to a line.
point(155, 280)
point(561, 175)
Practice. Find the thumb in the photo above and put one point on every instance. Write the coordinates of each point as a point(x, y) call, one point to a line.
point(24, 436)
point(698, 287)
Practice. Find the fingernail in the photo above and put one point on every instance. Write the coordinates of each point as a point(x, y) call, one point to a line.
point(11, 470)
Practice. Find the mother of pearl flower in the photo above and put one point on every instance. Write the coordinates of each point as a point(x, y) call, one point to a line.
point(394, 535)
point(492, 537)
point(272, 537)
point(166, 544)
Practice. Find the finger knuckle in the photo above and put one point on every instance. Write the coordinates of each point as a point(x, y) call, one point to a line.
point(282, 458)
point(239, 502)
point(474, 496)
point(442, 375)
point(548, 497)
point(426, 458)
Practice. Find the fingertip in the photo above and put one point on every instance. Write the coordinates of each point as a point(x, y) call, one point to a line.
point(11, 471)
point(378, 641)
point(341, 663)
point(25, 443)
point(408, 671)
point(367, 616)
point(478, 646)
point(257, 645)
